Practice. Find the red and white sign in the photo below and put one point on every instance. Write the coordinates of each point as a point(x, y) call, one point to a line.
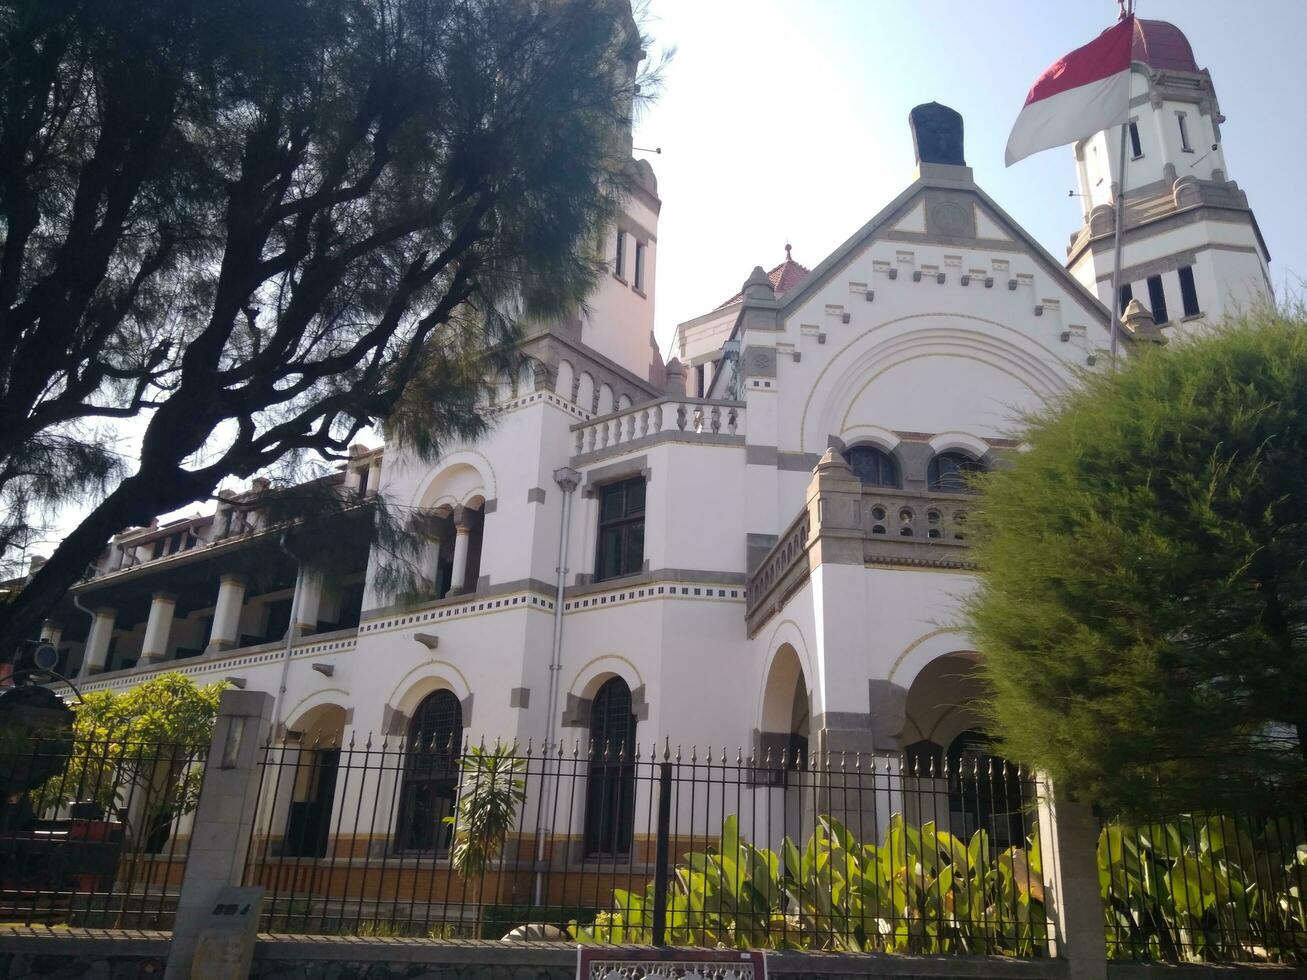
point(1080, 94)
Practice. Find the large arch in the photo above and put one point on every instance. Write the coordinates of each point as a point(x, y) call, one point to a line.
point(868, 357)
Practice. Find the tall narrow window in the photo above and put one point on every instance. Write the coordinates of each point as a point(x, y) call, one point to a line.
point(1184, 132)
point(435, 737)
point(1157, 299)
point(700, 375)
point(621, 529)
point(639, 265)
point(1127, 294)
point(948, 472)
point(873, 466)
point(610, 789)
point(1188, 291)
point(1136, 148)
point(619, 262)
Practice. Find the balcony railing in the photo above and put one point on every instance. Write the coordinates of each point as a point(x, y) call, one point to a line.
point(664, 418)
point(899, 527)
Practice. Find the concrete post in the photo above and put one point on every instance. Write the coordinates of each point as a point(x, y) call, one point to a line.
point(158, 628)
point(1068, 834)
point(227, 614)
point(224, 819)
point(309, 604)
point(52, 633)
point(461, 531)
point(97, 641)
point(374, 477)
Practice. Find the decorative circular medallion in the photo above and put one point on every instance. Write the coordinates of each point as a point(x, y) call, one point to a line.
point(949, 218)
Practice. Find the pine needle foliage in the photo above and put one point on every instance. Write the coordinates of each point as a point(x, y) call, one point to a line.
point(1143, 598)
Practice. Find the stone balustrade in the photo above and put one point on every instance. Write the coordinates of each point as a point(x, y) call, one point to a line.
point(670, 418)
point(883, 526)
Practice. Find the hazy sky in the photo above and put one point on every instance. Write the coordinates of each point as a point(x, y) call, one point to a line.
point(788, 121)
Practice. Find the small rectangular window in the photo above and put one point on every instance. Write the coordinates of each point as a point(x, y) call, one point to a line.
point(1136, 148)
point(1127, 294)
point(1184, 132)
point(639, 265)
point(619, 263)
point(1157, 299)
point(1188, 291)
point(700, 379)
point(621, 529)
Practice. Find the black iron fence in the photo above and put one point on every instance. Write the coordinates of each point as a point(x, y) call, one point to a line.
point(94, 832)
point(790, 850)
point(1206, 887)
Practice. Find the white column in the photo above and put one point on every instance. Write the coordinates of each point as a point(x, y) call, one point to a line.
point(97, 641)
point(227, 614)
point(461, 531)
point(309, 604)
point(158, 628)
point(374, 477)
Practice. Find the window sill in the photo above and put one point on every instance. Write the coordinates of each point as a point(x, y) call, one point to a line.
point(1192, 316)
point(1186, 149)
point(639, 292)
point(620, 278)
point(1140, 157)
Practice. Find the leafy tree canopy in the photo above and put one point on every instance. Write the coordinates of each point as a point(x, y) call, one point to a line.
point(141, 746)
point(1143, 599)
point(259, 226)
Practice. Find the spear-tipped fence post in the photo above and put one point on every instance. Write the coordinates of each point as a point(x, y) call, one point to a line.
point(662, 854)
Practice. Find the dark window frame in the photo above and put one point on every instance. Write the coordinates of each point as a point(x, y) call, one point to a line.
point(610, 784)
point(1189, 291)
point(1127, 294)
point(429, 791)
point(952, 479)
point(638, 274)
point(1136, 147)
point(619, 262)
point(1157, 300)
point(1183, 123)
point(622, 527)
point(869, 460)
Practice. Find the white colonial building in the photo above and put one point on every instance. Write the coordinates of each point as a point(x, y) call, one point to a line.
point(760, 544)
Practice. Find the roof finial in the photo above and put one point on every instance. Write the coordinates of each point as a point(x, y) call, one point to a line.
point(787, 251)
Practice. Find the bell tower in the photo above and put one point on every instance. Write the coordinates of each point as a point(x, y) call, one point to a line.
point(1192, 251)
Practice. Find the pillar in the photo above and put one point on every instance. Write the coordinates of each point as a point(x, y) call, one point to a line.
point(158, 628)
point(224, 820)
point(1068, 835)
point(227, 614)
point(97, 641)
point(374, 477)
point(462, 528)
point(52, 633)
point(308, 604)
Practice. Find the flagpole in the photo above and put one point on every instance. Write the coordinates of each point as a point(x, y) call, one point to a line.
point(1115, 304)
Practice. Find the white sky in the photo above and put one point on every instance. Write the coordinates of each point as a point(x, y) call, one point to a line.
point(788, 121)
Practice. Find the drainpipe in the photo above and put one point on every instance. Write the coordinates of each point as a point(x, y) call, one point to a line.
point(82, 671)
point(290, 636)
point(567, 479)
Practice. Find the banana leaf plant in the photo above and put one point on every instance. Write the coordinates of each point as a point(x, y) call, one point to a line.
point(919, 890)
point(1205, 888)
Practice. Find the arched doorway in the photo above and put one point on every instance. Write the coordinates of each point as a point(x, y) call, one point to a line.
point(430, 787)
point(317, 736)
point(610, 788)
point(956, 777)
point(786, 713)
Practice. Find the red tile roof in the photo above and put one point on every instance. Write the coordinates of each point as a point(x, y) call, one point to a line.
point(783, 278)
point(1161, 45)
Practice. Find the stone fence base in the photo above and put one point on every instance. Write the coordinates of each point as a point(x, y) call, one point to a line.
point(73, 954)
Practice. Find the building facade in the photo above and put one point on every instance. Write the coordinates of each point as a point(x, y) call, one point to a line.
point(761, 544)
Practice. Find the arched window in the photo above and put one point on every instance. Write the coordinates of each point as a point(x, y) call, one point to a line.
point(873, 466)
point(948, 472)
point(435, 738)
point(610, 790)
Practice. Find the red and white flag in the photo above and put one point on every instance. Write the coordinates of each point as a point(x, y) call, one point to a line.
point(1080, 94)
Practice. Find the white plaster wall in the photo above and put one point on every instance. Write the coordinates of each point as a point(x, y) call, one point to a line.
point(618, 320)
